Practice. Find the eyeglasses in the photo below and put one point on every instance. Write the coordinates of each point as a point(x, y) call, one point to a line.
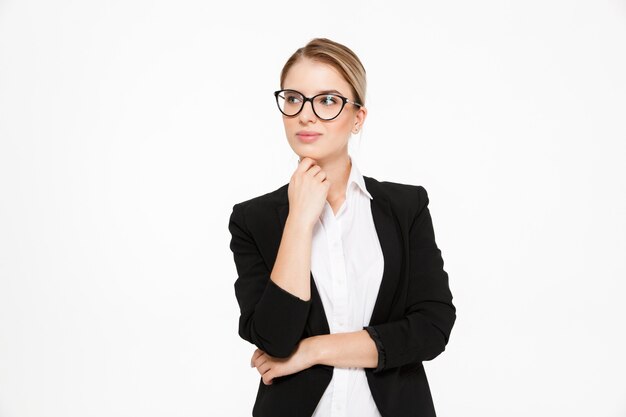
point(325, 106)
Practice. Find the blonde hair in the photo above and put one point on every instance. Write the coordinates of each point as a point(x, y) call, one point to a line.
point(339, 56)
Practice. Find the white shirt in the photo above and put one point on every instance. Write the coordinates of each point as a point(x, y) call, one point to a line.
point(347, 266)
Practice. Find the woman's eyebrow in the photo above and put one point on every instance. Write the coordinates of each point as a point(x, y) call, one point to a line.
point(329, 91)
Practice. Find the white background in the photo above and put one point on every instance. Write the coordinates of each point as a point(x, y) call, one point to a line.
point(128, 129)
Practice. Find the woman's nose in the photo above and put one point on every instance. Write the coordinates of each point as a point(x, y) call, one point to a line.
point(307, 113)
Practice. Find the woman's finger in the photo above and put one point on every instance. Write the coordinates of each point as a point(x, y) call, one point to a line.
point(255, 354)
point(267, 378)
point(260, 361)
point(264, 367)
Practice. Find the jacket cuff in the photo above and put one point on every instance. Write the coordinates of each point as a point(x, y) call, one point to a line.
point(379, 346)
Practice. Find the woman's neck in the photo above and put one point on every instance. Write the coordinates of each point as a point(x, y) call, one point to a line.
point(337, 172)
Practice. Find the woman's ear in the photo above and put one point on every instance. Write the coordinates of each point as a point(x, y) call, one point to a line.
point(360, 116)
point(359, 119)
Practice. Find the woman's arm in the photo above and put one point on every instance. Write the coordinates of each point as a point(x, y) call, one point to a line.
point(275, 304)
point(423, 333)
point(344, 350)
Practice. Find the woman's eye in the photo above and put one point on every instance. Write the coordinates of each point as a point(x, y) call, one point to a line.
point(328, 100)
point(292, 99)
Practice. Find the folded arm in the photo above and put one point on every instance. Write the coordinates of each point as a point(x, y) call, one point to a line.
point(344, 350)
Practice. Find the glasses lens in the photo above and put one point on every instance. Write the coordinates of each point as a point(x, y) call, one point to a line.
point(289, 102)
point(327, 106)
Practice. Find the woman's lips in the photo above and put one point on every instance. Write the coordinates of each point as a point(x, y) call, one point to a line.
point(308, 138)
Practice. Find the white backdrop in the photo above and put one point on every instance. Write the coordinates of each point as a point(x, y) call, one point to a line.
point(129, 128)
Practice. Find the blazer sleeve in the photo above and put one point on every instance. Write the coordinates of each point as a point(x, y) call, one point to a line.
point(423, 333)
point(271, 317)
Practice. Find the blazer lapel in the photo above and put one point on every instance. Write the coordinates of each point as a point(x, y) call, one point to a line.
point(390, 238)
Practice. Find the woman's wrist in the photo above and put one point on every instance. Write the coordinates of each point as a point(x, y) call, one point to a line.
point(293, 220)
point(314, 350)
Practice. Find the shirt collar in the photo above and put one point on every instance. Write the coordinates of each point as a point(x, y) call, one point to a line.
point(357, 178)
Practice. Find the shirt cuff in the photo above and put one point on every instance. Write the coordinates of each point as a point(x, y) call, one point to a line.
point(379, 346)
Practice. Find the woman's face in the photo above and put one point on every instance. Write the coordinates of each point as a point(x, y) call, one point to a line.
point(310, 78)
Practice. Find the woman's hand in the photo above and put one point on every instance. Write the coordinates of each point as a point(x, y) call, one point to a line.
point(307, 192)
point(270, 367)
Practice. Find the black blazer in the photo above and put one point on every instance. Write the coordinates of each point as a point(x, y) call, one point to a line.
point(412, 318)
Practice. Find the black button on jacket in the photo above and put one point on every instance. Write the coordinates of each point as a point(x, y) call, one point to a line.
point(412, 318)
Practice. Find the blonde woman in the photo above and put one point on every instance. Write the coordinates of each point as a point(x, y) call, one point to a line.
point(340, 283)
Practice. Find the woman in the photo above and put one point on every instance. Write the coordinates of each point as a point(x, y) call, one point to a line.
point(341, 285)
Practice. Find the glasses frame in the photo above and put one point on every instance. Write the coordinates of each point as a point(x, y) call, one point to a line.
point(344, 100)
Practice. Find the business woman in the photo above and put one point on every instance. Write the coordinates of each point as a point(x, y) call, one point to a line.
point(340, 283)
